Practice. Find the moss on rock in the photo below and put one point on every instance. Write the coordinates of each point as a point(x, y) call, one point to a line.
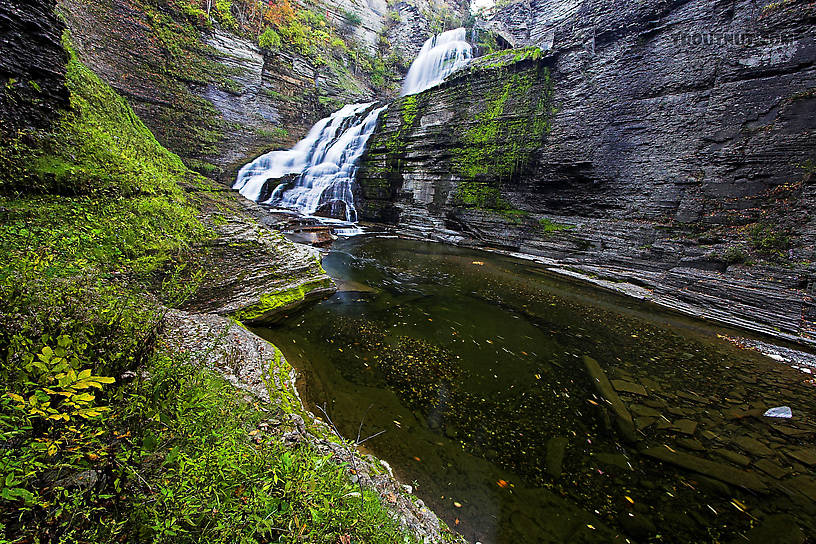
point(272, 304)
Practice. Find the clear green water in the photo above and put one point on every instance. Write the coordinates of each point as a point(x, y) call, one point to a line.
point(473, 365)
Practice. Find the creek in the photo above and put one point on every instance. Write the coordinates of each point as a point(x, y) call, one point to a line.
point(475, 365)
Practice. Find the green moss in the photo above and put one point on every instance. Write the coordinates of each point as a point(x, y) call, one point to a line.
point(547, 226)
point(271, 303)
point(409, 110)
point(505, 58)
point(409, 107)
point(92, 217)
point(508, 128)
point(276, 133)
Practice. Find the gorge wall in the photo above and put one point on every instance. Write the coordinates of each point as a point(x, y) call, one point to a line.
point(32, 66)
point(213, 96)
point(677, 161)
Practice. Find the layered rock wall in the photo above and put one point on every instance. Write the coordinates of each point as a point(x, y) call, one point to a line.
point(679, 157)
point(32, 65)
point(215, 98)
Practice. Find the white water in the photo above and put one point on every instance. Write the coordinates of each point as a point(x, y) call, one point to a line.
point(440, 56)
point(325, 161)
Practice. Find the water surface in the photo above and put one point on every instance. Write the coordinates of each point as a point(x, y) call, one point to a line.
point(473, 364)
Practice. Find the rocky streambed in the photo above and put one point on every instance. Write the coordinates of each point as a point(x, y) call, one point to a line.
point(525, 409)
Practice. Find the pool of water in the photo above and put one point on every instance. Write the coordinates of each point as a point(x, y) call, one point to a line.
point(476, 367)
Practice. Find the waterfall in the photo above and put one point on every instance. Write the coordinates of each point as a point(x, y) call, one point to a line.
point(440, 56)
point(325, 162)
point(316, 176)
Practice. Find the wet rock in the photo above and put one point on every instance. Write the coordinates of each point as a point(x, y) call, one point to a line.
point(651, 384)
point(644, 422)
point(803, 485)
point(772, 468)
point(644, 411)
point(612, 459)
point(690, 444)
point(85, 479)
point(679, 520)
point(685, 426)
point(803, 455)
point(556, 447)
point(734, 457)
point(32, 66)
point(714, 486)
point(663, 424)
point(753, 446)
point(779, 529)
point(725, 473)
point(655, 403)
point(523, 524)
point(624, 386)
point(623, 418)
point(637, 526)
point(740, 413)
point(693, 397)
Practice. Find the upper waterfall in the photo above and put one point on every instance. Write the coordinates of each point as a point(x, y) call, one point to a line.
point(319, 170)
point(440, 56)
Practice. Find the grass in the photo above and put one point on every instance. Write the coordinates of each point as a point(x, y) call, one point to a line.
point(105, 436)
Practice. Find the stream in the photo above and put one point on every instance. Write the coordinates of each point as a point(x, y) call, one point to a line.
point(475, 366)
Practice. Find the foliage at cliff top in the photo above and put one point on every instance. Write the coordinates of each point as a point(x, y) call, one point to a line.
point(108, 437)
point(303, 28)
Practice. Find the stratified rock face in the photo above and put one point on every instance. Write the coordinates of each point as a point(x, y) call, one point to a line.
point(453, 146)
point(215, 99)
point(371, 14)
point(32, 65)
point(679, 156)
point(663, 126)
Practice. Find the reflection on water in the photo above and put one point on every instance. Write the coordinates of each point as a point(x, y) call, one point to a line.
point(475, 366)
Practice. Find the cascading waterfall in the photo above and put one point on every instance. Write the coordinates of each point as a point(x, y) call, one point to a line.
point(326, 160)
point(440, 56)
point(316, 176)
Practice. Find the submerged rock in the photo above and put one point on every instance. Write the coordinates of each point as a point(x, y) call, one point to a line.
point(623, 418)
point(719, 471)
point(556, 447)
point(779, 529)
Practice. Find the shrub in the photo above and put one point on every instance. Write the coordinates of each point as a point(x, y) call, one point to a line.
point(769, 240)
point(352, 18)
point(269, 40)
point(735, 255)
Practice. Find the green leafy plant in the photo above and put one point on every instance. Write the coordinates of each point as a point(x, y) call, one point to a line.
point(269, 39)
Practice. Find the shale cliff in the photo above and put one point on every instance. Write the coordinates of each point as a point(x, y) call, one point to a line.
point(677, 160)
point(210, 93)
point(32, 66)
